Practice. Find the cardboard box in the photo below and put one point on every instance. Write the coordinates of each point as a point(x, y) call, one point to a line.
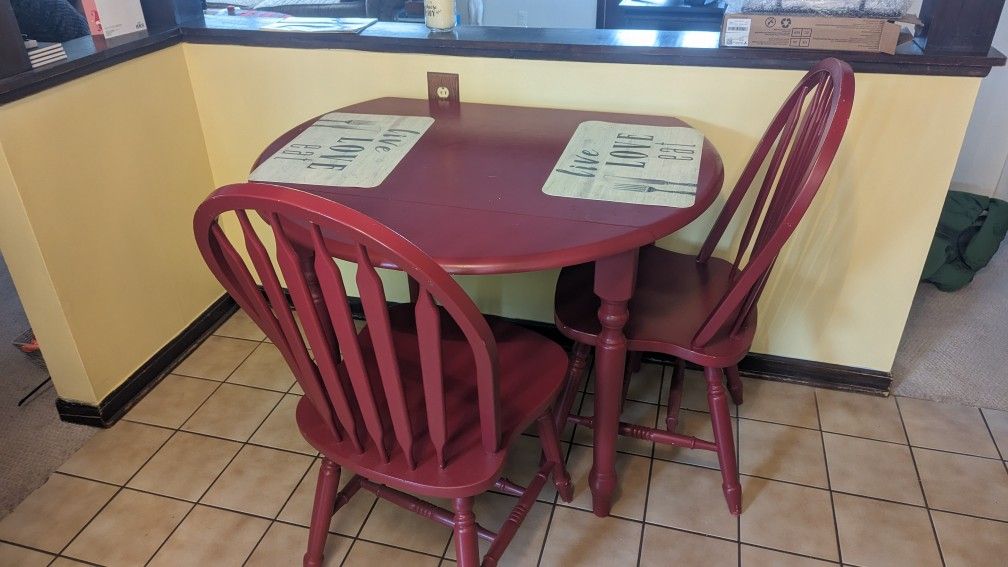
point(804, 31)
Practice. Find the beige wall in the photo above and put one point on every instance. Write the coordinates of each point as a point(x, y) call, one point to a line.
point(842, 290)
point(99, 181)
point(99, 178)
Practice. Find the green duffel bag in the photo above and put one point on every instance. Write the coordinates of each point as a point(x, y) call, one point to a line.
point(969, 232)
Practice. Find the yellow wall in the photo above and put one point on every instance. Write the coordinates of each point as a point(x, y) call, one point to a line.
point(98, 186)
point(843, 287)
point(99, 178)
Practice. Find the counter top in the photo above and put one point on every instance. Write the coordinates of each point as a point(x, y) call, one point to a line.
point(688, 48)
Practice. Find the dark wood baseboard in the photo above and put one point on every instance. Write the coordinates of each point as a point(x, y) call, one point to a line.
point(764, 366)
point(117, 403)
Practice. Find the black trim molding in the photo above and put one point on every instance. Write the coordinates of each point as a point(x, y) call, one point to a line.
point(764, 366)
point(116, 404)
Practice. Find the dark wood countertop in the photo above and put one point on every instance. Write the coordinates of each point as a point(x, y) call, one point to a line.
point(690, 48)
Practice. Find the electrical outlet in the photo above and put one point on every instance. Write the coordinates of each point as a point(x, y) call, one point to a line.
point(443, 90)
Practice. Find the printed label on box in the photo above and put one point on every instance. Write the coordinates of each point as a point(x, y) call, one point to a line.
point(120, 17)
point(737, 32)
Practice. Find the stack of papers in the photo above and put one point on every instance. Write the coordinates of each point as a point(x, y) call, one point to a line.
point(45, 54)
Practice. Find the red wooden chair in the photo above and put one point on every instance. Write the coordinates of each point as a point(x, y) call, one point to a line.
point(427, 398)
point(703, 309)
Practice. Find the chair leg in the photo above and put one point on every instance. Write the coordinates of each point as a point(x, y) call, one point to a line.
point(575, 376)
point(734, 384)
point(675, 394)
point(322, 512)
point(551, 447)
point(717, 401)
point(466, 539)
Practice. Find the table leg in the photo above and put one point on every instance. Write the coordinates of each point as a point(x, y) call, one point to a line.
point(615, 278)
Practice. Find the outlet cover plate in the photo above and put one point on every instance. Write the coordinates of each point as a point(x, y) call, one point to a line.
point(443, 90)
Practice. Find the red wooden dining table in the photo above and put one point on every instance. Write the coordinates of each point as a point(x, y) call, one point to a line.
point(469, 194)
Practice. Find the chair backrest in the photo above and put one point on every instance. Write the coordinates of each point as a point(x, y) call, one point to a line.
point(317, 292)
point(796, 152)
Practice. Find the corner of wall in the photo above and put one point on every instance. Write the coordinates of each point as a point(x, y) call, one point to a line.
point(38, 295)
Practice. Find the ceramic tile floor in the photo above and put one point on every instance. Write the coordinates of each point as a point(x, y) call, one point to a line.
point(209, 469)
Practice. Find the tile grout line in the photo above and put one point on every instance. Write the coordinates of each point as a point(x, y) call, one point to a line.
point(990, 432)
point(920, 482)
point(280, 511)
point(219, 474)
point(120, 489)
point(570, 448)
point(651, 460)
point(228, 439)
point(738, 466)
point(122, 486)
point(829, 483)
point(360, 530)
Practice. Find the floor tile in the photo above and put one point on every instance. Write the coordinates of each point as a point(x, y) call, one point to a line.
point(258, 481)
point(296, 389)
point(872, 468)
point(240, 326)
point(873, 532)
point(233, 412)
point(960, 483)
point(264, 368)
point(392, 525)
point(788, 517)
point(129, 530)
point(280, 429)
point(115, 454)
point(997, 420)
point(285, 544)
point(694, 391)
point(66, 562)
point(645, 385)
point(172, 401)
point(631, 492)
point(689, 498)
point(861, 415)
point(209, 536)
point(696, 424)
point(782, 452)
point(523, 463)
point(346, 521)
point(947, 427)
point(663, 547)
point(491, 512)
point(52, 515)
point(759, 557)
point(15, 556)
point(580, 538)
point(633, 412)
point(779, 402)
point(968, 542)
point(186, 466)
point(216, 358)
point(367, 554)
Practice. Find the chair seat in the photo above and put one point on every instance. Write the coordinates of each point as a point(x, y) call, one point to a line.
point(531, 373)
point(672, 300)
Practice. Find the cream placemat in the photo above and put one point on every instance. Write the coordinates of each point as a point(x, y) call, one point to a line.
point(629, 163)
point(343, 149)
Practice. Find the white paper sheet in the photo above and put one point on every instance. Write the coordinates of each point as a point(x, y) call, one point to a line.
point(343, 149)
point(629, 163)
